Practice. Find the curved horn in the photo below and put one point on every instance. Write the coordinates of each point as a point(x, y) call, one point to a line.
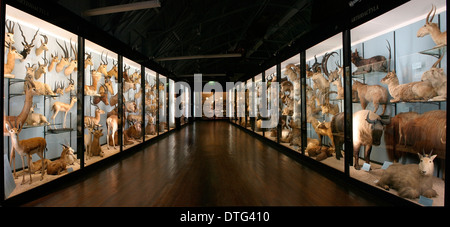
point(370, 121)
point(385, 121)
point(434, 13)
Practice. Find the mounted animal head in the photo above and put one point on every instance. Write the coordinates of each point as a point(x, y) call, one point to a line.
point(113, 72)
point(59, 88)
point(376, 128)
point(426, 164)
point(64, 60)
point(102, 66)
point(70, 87)
point(41, 69)
point(429, 26)
point(88, 60)
point(13, 51)
point(27, 46)
point(9, 35)
point(44, 45)
point(355, 57)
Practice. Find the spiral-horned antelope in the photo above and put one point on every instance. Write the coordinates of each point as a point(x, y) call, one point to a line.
point(64, 60)
point(64, 107)
point(43, 47)
point(432, 29)
point(27, 46)
point(26, 147)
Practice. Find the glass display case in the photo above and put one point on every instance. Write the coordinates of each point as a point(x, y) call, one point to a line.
point(290, 103)
point(324, 97)
point(271, 131)
point(101, 93)
point(257, 103)
point(72, 116)
point(400, 81)
point(171, 102)
point(163, 105)
point(39, 102)
point(151, 105)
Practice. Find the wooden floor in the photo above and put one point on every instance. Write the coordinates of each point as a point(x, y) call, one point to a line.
point(206, 164)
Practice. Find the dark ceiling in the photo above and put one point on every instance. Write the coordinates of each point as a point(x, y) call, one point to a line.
point(258, 29)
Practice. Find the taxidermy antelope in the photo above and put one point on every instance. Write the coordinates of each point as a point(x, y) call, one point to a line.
point(30, 91)
point(93, 121)
point(414, 91)
point(41, 88)
point(113, 72)
point(432, 29)
point(96, 149)
point(41, 70)
point(27, 147)
point(102, 67)
point(43, 46)
point(9, 35)
point(64, 107)
point(88, 142)
point(70, 87)
point(59, 165)
point(35, 119)
point(91, 90)
point(54, 62)
point(64, 60)
point(11, 61)
point(112, 124)
point(88, 60)
point(27, 46)
point(103, 90)
point(59, 88)
point(371, 93)
point(73, 63)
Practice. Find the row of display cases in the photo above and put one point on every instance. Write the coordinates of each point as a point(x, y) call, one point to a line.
point(67, 100)
point(353, 103)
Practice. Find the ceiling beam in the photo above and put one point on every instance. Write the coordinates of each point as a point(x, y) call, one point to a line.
point(122, 8)
point(199, 57)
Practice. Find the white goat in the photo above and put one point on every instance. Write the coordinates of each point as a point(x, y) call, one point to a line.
point(411, 180)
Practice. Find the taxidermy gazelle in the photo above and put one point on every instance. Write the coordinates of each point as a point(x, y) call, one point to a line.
point(43, 46)
point(27, 46)
point(102, 66)
point(11, 61)
point(41, 70)
point(64, 107)
point(9, 35)
point(88, 60)
point(94, 121)
point(73, 62)
point(432, 29)
point(53, 62)
point(64, 60)
point(27, 147)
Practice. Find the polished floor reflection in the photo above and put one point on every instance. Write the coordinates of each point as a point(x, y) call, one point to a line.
point(206, 164)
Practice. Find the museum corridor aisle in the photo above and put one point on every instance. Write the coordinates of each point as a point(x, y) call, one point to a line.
point(206, 163)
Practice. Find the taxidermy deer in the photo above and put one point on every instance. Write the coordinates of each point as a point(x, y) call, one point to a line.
point(27, 46)
point(53, 62)
point(432, 29)
point(64, 60)
point(73, 62)
point(91, 90)
point(64, 107)
point(35, 119)
point(374, 64)
point(11, 61)
point(41, 69)
point(43, 47)
point(94, 121)
point(9, 35)
point(27, 147)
